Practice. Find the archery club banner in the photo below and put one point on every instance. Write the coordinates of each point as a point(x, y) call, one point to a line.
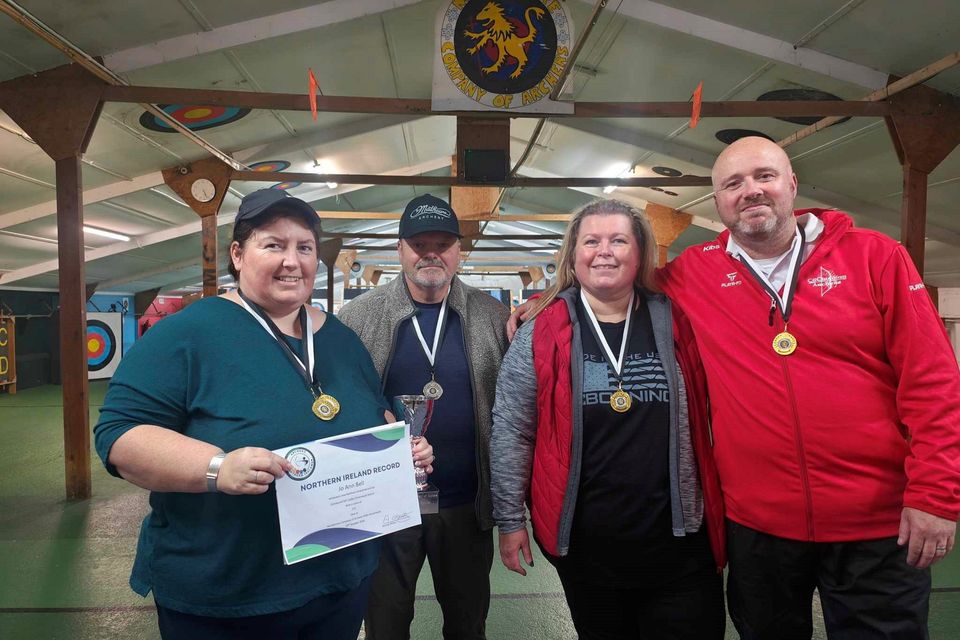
point(104, 340)
point(503, 55)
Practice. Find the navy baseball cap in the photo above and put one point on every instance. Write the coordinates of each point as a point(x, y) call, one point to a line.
point(263, 200)
point(428, 213)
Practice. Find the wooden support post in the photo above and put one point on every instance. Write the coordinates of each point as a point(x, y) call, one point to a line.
point(203, 185)
point(913, 214)
point(208, 249)
point(345, 263)
point(328, 252)
point(474, 204)
point(667, 225)
point(935, 296)
point(63, 128)
point(73, 329)
point(922, 142)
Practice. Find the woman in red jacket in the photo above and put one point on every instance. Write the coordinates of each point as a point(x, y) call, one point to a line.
point(591, 425)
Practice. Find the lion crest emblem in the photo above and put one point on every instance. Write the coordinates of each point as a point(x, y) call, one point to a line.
point(502, 34)
point(504, 54)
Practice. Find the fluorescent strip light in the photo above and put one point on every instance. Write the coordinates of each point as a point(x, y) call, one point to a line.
point(106, 234)
point(620, 170)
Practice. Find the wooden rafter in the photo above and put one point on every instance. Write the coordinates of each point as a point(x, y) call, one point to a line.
point(477, 238)
point(422, 107)
point(455, 181)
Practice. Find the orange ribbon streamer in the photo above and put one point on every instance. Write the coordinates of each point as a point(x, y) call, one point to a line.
point(312, 79)
point(697, 100)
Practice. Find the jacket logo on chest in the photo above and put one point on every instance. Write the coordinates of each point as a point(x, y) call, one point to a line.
point(826, 281)
point(733, 280)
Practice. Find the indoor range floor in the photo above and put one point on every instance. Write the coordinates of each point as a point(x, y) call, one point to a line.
point(64, 565)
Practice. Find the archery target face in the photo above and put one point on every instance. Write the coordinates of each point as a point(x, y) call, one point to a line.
point(270, 165)
point(194, 117)
point(103, 342)
point(285, 186)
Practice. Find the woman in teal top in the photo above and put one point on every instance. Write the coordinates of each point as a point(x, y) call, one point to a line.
point(192, 415)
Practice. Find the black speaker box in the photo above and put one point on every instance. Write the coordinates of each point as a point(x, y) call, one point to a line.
point(485, 165)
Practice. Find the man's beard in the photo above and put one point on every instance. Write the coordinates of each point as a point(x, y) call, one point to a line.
point(757, 230)
point(766, 228)
point(430, 281)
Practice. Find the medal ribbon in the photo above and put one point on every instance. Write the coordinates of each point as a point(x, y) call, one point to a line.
point(783, 304)
point(437, 333)
point(616, 365)
point(306, 346)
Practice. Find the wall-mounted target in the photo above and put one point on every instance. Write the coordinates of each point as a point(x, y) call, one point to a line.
point(103, 342)
point(284, 186)
point(193, 117)
point(669, 172)
point(270, 165)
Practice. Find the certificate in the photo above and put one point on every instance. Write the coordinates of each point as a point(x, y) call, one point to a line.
point(345, 490)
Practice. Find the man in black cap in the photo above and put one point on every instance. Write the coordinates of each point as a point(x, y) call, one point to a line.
point(430, 334)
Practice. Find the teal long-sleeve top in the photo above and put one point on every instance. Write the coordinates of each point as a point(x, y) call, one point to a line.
point(212, 373)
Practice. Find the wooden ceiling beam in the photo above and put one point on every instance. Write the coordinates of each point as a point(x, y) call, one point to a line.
point(422, 106)
point(478, 238)
point(386, 215)
point(454, 181)
point(389, 263)
point(385, 247)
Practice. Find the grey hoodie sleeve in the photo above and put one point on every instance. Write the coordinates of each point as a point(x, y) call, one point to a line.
point(514, 432)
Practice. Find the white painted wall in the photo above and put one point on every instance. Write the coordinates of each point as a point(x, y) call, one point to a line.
point(953, 328)
point(950, 303)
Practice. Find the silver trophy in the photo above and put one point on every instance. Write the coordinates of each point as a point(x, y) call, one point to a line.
point(416, 411)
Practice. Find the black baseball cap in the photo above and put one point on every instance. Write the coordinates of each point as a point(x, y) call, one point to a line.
point(428, 213)
point(263, 200)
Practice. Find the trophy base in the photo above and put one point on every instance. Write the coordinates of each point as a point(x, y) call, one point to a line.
point(429, 498)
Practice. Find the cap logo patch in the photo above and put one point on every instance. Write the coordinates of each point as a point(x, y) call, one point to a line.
point(429, 210)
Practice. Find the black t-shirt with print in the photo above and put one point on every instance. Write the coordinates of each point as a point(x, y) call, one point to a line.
point(622, 531)
point(624, 490)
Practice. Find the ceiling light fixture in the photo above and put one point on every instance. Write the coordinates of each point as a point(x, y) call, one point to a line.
point(324, 168)
point(621, 170)
point(106, 234)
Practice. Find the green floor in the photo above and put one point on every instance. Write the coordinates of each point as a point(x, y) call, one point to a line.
point(64, 566)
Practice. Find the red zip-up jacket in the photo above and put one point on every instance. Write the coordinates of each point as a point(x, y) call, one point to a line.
point(830, 443)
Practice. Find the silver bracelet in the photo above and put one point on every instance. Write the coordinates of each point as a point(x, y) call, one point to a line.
point(213, 471)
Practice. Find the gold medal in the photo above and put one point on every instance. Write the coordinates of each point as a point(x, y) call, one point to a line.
point(620, 401)
point(785, 343)
point(326, 407)
point(433, 390)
